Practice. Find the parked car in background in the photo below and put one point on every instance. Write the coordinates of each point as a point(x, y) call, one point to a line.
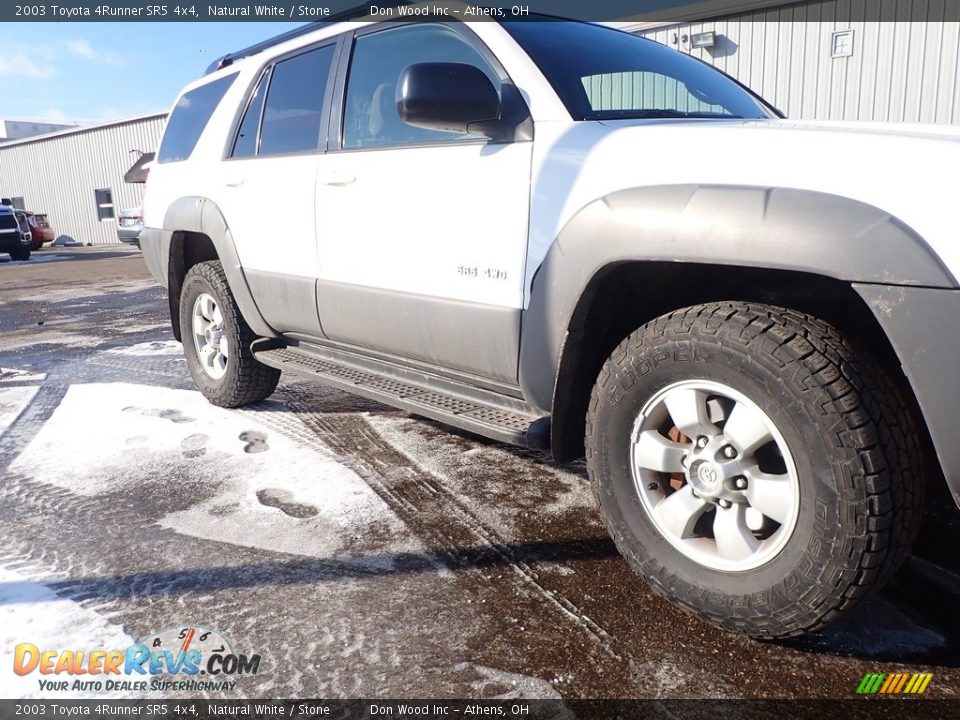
point(129, 225)
point(26, 234)
point(40, 229)
point(13, 239)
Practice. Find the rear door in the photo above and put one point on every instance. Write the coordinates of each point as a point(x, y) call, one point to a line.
point(269, 184)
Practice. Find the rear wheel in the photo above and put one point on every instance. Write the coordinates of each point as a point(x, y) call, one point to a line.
point(754, 467)
point(20, 254)
point(216, 341)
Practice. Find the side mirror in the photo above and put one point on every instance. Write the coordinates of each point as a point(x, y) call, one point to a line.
point(451, 97)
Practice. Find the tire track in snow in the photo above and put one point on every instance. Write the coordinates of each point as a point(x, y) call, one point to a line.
point(28, 424)
point(425, 503)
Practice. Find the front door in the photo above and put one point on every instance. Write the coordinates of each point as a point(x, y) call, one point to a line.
point(421, 234)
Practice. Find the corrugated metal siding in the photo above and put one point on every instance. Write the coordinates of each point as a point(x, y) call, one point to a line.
point(899, 71)
point(58, 175)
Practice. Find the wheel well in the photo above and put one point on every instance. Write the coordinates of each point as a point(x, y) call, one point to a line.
point(186, 250)
point(622, 297)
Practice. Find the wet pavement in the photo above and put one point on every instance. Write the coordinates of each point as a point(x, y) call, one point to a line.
point(362, 552)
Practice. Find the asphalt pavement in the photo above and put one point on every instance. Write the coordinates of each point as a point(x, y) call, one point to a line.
point(360, 551)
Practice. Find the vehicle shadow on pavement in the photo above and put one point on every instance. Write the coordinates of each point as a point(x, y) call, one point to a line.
point(301, 571)
point(913, 617)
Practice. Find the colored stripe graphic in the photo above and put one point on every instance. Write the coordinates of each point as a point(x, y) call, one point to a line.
point(870, 683)
point(890, 682)
point(894, 684)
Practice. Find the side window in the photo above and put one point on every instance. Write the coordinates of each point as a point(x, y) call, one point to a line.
point(293, 115)
point(189, 118)
point(370, 111)
point(246, 143)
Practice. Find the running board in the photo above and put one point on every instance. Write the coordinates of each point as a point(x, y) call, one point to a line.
point(480, 411)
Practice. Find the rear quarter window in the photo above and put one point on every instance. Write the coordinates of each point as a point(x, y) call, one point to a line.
point(189, 117)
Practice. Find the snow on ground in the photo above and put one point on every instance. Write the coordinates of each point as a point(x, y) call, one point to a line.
point(13, 401)
point(67, 293)
point(149, 349)
point(32, 613)
point(16, 375)
point(82, 339)
point(255, 488)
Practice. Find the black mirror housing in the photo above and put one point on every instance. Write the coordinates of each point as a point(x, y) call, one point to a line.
point(451, 97)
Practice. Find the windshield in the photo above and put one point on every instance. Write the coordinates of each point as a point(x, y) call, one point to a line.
point(604, 74)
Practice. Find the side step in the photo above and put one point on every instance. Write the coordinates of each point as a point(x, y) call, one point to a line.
point(480, 411)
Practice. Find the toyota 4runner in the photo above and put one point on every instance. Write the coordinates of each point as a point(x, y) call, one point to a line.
point(567, 237)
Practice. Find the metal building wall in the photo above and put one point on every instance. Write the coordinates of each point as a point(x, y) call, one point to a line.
point(899, 71)
point(57, 174)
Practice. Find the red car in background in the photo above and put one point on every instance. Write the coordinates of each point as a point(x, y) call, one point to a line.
point(40, 229)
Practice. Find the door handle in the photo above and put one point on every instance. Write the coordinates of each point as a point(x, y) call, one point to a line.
point(233, 181)
point(338, 178)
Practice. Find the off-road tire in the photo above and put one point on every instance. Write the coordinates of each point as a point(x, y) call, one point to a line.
point(247, 380)
point(851, 434)
point(20, 255)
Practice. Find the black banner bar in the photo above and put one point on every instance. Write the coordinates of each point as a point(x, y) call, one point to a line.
point(585, 10)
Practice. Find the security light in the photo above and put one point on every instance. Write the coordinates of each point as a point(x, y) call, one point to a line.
point(704, 40)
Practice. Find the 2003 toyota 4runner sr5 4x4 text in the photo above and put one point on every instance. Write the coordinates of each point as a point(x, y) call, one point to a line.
point(564, 236)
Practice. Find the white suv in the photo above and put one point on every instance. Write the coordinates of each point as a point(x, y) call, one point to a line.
point(564, 236)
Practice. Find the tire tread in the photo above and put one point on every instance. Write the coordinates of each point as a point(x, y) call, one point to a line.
point(251, 380)
point(871, 421)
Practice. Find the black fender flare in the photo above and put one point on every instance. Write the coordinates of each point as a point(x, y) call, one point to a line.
point(202, 215)
point(762, 227)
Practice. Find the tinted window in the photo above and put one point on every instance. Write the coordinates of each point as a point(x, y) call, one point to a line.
point(294, 113)
point(246, 142)
point(370, 114)
point(600, 73)
point(189, 118)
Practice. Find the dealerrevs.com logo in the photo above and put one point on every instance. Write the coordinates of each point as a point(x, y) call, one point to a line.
point(186, 658)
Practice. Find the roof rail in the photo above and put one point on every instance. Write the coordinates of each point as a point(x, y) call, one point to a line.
point(351, 13)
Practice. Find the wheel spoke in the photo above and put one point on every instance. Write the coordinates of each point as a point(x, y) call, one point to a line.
point(680, 512)
point(747, 429)
point(772, 495)
point(655, 452)
point(207, 308)
point(200, 324)
point(734, 539)
point(208, 355)
point(223, 347)
point(688, 410)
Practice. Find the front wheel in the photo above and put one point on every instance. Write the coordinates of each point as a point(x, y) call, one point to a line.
point(216, 341)
point(753, 467)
